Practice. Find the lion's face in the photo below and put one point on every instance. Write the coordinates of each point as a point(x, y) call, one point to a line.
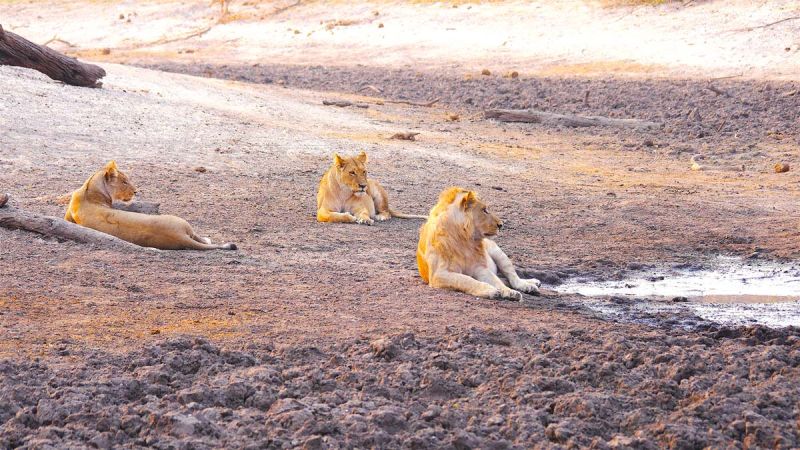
point(484, 222)
point(119, 185)
point(352, 171)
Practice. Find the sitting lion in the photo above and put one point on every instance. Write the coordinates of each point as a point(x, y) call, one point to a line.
point(454, 251)
point(90, 206)
point(347, 195)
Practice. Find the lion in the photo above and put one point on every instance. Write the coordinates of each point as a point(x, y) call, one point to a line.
point(347, 195)
point(90, 206)
point(455, 251)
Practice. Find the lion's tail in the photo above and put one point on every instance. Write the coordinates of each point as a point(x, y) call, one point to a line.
point(400, 215)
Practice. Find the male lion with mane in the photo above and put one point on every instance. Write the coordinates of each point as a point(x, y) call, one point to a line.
point(347, 195)
point(455, 251)
point(90, 206)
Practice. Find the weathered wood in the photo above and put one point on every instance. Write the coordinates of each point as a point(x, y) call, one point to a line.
point(18, 51)
point(54, 227)
point(407, 136)
point(568, 120)
point(343, 103)
point(138, 207)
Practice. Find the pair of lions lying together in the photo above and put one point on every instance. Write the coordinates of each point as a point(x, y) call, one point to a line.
point(454, 250)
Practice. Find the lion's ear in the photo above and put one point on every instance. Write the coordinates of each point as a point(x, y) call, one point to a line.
point(338, 160)
point(468, 200)
point(362, 157)
point(111, 169)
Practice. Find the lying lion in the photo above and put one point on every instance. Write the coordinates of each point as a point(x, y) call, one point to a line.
point(347, 195)
point(454, 251)
point(90, 206)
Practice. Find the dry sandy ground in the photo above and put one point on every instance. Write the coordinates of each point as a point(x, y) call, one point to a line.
point(323, 336)
point(564, 37)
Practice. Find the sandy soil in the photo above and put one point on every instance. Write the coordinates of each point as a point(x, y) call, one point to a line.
point(563, 37)
point(322, 335)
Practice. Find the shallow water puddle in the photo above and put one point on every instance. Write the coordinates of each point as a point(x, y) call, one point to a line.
point(729, 292)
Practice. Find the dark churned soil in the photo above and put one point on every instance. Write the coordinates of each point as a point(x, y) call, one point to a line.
point(473, 389)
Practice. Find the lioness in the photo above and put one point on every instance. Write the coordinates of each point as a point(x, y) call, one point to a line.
point(347, 195)
point(454, 251)
point(90, 206)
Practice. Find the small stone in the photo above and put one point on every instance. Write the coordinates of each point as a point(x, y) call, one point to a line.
point(680, 299)
point(384, 348)
point(105, 51)
point(648, 143)
point(380, 25)
point(4, 199)
point(200, 169)
point(155, 331)
point(781, 167)
point(453, 117)
point(512, 74)
point(486, 72)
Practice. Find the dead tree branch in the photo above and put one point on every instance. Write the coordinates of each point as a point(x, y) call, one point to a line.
point(18, 51)
point(54, 227)
point(568, 120)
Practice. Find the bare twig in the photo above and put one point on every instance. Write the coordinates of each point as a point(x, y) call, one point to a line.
point(767, 25)
point(57, 39)
point(726, 77)
point(406, 102)
point(371, 88)
point(719, 128)
point(717, 90)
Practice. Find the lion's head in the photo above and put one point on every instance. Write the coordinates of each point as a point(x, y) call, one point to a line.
point(468, 212)
point(118, 184)
point(352, 171)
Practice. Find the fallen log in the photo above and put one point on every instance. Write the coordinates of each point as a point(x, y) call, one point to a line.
point(407, 136)
point(54, 227)
point(568, 120)
point(138, 207)
point(18, 51)
point(343, 103)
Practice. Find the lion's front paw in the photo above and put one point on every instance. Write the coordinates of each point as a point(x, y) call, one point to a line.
point(384, 216)
point(529, 286)
point(511, 294)
point(364, 220)
point(488, 291)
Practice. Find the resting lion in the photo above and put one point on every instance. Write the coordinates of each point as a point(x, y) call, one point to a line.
point(347, 195)
point(90, 206)
point(454, 251)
